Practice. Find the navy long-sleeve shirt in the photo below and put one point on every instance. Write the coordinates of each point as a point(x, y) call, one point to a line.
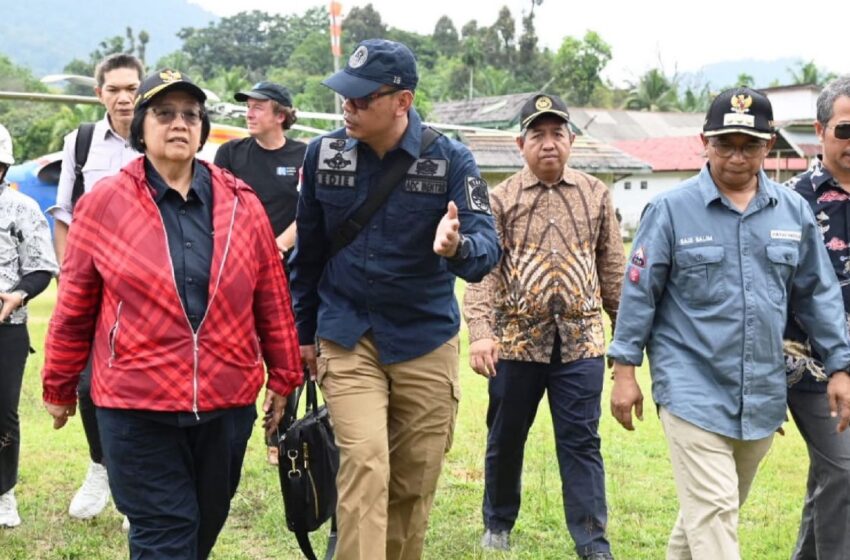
point(388, 280)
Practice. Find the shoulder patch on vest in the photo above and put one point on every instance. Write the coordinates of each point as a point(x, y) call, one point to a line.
point(478, 195)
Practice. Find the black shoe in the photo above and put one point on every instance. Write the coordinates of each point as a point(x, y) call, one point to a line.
point(598, 556)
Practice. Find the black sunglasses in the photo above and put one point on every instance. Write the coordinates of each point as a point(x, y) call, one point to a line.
point(362, 103)
point(842, 131)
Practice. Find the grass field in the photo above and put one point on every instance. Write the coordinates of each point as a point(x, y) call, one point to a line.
point(641, 496)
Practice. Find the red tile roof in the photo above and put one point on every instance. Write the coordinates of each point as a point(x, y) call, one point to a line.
point(686, 153)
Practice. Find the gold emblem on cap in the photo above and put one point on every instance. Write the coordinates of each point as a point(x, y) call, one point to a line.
point(543, 103)
point(741, 103)
point(169, 76)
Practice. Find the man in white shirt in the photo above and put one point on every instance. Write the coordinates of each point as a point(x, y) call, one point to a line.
point(117, 78)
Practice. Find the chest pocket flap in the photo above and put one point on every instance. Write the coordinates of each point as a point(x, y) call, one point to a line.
point(783, 254)
point(695, 256)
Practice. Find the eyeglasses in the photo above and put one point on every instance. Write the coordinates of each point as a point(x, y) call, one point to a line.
point(167, 115)
point(362, 103)
point(751, 150)
point(842, 131)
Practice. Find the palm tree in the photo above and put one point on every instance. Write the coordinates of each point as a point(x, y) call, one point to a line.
point(745, 80)
point(809, 73)
point(68, 118)
point(653, 92)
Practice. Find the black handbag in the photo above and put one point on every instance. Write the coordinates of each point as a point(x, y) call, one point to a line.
point(307, 465)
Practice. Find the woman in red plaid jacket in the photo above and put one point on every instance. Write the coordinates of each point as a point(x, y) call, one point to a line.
point(173, 282)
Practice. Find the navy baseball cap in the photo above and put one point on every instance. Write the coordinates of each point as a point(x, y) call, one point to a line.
point(740, 110)
point(375, 62)
point(266, 90)
point(166, 80)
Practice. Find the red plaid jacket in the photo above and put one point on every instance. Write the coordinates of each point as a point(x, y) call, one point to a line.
point(118, 299)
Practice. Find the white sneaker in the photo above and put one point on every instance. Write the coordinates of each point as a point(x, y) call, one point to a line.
point(125, 525)
point(93, 495)
point(9, 510)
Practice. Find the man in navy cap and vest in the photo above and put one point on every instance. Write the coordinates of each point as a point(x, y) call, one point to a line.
point(716, 264)
point(374, 295)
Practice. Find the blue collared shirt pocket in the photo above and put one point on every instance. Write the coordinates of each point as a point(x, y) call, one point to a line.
point(336, 203)
point(783, 261)
point(416, 209)
point(701, 275)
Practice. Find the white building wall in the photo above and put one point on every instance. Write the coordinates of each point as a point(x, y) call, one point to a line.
point(630, 198)
point(793, 104)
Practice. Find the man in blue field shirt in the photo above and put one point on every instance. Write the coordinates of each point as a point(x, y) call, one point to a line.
point(714, 266)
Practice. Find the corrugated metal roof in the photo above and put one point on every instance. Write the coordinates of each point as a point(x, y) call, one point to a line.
point(612, 125)
point(499, 153)
point(500, 111)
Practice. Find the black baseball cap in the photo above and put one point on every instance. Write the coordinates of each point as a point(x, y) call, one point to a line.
point(165, 80)
point(266, 90)
point(542, 104)
point(740, 110)
point(375, 62)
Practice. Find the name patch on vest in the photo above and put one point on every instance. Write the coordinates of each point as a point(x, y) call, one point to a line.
point(425, 186)
point(335, 179)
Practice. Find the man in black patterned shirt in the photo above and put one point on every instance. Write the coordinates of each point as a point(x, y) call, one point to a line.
point(825, 525)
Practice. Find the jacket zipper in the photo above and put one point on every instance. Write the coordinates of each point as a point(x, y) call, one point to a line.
point(195, 334)
point(113, 334)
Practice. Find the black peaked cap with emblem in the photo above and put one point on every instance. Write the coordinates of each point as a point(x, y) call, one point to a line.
point(375, 62)
point(740, 110)
point(542, 104)
point(165, 80)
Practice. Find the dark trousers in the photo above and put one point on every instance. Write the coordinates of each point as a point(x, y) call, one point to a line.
point(174, 482)
point(825, 522)
point(14, 348)
point(574, 391)
point(88, 415)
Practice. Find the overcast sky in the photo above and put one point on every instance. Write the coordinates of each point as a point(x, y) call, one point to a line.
point(683, 35)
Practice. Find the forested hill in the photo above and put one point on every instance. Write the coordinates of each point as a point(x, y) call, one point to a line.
point(44, 35)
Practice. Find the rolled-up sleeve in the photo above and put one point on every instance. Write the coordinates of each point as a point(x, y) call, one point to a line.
point(62, 209)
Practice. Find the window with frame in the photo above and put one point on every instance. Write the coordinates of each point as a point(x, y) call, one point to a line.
point(644, 185)
point(627, 186)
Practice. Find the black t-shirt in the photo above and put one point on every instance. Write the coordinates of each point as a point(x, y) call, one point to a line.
point(273, 174)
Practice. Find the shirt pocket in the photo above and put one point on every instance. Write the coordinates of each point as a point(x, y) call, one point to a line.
point(782, 262)
point(411, 210)
point(336, 203)
point(701, 275)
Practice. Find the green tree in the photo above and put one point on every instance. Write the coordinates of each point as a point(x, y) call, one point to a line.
point(578, 64)
point(809, 73)
point(695, 99)
point(472, 58)
point(445, 37)
point(242, 40)
point(653, 92)
point(745, 79)
point(226, 82)
point(361, 23)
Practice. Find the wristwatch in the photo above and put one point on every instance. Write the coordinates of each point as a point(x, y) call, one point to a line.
point(464, 248)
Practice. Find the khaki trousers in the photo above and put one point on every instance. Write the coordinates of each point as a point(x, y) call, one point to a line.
point(713, 476)
point(393, 425)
